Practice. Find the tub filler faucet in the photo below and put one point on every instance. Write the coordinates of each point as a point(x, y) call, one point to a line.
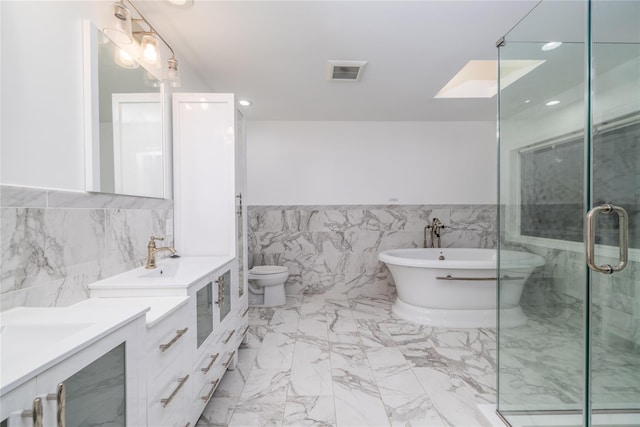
point(152, 251)
point(436, 226)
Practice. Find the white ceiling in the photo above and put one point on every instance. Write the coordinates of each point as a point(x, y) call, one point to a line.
point(275, 53)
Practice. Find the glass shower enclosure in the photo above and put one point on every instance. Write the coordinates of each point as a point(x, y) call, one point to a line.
point(569, 190)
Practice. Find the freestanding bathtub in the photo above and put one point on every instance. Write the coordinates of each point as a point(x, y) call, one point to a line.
point(456, 288)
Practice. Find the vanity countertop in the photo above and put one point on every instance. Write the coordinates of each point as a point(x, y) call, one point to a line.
point(171, 277)
point(33, 339)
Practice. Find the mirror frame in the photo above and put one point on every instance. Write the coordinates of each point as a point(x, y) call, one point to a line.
point(91, 35)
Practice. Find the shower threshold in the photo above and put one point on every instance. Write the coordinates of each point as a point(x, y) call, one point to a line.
point(601, 418)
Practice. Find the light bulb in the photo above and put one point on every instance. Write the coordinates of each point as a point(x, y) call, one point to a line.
point(149, 50)
point(124, 59)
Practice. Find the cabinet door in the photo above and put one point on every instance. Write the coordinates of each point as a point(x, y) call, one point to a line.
point(96, 395)
point(204, 175)
point(204, 313)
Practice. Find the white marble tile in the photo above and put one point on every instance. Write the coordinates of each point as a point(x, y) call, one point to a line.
point(392, 373)
point(317, 411)
point(311, 369)
point(314, 326)
point(454, 400)
point(357, 400)
point(276, 351)
point(373, 335)
point(218, 412)
point(412, 411)
point(348, 356)
point(266, 386)
point(258, 413)
point(22, 197)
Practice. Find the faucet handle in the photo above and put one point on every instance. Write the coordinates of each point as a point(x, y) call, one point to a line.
point(152, 238)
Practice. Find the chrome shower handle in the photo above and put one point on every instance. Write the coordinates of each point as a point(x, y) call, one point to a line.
point(623, 230)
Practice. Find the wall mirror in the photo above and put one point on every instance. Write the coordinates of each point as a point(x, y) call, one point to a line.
point(125, 149)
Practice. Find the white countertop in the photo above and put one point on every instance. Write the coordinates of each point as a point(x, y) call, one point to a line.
point(33, 339)
point(171, 277)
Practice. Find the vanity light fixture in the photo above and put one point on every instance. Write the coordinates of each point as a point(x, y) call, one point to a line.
point(124, 59)
point(120, 32)
point(244, 102)
point(119, 28)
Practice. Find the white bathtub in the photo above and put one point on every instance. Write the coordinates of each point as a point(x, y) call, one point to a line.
point(442, 293)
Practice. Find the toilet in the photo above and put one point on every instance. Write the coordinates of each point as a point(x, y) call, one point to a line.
point(266, 285)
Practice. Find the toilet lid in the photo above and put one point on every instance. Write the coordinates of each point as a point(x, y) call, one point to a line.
point(268, 269)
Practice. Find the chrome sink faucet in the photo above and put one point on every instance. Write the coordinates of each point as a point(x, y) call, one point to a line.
point(436, 226)
point(152, 251)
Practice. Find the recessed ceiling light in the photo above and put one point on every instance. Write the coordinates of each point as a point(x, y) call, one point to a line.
point(550, 46)
point(552, 103)
point(527, 101)
point(244, 102)
point(478, 78)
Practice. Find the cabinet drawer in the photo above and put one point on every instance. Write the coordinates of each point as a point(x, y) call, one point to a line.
point(168, 395)
point(167, 341)
point(207, 367)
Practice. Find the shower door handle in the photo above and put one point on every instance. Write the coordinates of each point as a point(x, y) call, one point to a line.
point(623, 227)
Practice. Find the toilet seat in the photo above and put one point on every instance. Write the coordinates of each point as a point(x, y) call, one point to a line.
point(268, 269)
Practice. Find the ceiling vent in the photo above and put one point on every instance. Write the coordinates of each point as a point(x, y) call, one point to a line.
point(345, 71)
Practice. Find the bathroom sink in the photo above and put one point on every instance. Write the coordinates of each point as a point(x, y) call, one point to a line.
point(163, 271)
point(20, 340)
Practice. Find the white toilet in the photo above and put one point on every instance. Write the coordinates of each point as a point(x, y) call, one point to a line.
point(266, 285)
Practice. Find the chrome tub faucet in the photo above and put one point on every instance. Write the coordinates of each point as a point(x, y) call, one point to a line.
point(436, 226)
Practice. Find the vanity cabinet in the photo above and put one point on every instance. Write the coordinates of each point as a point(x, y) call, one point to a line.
point(168, 347)
point(97, 385)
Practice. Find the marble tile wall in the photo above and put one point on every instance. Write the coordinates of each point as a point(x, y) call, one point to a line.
point(558, 289)
point(54, 243)
point(334, 249)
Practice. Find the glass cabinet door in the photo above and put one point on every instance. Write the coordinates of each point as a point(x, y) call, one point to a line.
point(204, 313)
point(96, 395)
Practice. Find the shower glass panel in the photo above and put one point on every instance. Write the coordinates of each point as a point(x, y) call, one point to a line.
point(561, 153)
point(615, 178)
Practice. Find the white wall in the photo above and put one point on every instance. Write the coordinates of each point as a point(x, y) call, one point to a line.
point(42, 142)
point(338, 163)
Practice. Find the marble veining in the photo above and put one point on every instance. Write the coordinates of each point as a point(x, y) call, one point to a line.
point(344, 362)
point(333, 249)
point(54, 243)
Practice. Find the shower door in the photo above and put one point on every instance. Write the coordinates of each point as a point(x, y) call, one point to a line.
point(569, 168)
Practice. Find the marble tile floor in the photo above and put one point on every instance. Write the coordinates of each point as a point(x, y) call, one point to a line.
point(327, 360)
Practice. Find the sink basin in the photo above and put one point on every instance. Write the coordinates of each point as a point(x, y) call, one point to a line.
point(162, 271)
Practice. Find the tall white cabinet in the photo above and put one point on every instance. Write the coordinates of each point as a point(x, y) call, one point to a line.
point(210, 220)
point(210, 179)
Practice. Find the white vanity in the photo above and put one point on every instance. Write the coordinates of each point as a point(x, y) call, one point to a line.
point(189, 349)
point(148, 348)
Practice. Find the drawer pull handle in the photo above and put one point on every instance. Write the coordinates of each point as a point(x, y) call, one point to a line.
point(179, 333)
point(245, 312)
point(245, 331)
point(214, 384)
point(214, 357)
point(229, 337)
point(61, 402)
point(175, 391)
point(230, 358)
point(35, 413)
